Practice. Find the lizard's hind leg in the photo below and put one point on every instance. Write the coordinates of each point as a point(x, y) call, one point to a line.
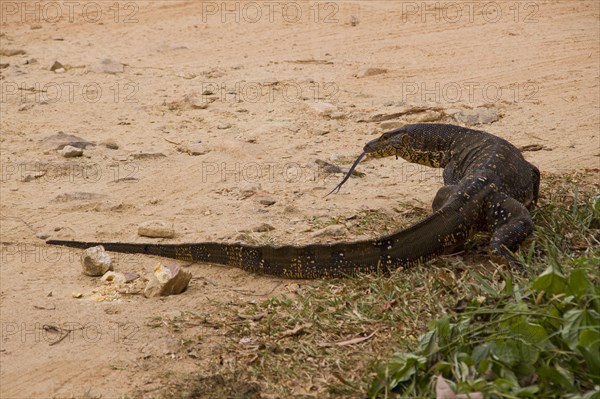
point(443, 195)
point(510, 223)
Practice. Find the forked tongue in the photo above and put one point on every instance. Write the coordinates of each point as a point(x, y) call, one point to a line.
point(339, 186)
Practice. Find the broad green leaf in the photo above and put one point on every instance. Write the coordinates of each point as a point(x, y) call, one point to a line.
point(589, 347)
point(550, 281)
point(592, 360)
point(575, 322)
point(528, 392)
point(401, 367)
point(530, 333)
point(514, 353)
point(505, 384)
point(579, 283)
point(443, 328)
point(528, 354)
point(480, 352)
point(590, 338)
point(506, 352)
point(556, 376)
point(509, 375)
point(428, 344)
point(442, 367)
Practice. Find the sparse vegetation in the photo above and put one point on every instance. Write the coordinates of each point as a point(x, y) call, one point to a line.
point(492, 332)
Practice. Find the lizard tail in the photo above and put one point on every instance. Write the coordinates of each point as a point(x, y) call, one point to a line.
point(167, 251)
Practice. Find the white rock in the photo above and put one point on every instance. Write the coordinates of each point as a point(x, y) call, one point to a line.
point(69, 151)
point(156, 229)
point(95, 261)
point(42, 235)
point(477, 116)
point(167, 280)
point(324, 109)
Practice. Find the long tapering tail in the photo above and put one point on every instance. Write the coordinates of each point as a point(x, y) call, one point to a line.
point(418, 243)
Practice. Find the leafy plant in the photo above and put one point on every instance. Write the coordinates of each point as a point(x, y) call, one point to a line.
point(541, 341)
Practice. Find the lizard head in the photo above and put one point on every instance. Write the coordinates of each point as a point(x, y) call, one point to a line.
point(388, 144)
point(408, 142)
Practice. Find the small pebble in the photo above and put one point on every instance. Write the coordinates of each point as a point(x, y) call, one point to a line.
point(113, 277)
point(267, 201)
point(156, 229)
point(477, 116)
point(371, 72)
point(56, 66)
point(324, 109)
point(69, 151)
point(30, 176)
point(110, 144)
point(262, 228)
point(42, 235)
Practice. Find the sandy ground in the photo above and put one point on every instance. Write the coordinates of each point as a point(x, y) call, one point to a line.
point(261, 92)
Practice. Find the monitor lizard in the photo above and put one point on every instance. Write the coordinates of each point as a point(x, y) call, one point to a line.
point(488, 186)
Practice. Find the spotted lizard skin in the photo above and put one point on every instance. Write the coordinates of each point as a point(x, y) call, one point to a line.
point(488, 186)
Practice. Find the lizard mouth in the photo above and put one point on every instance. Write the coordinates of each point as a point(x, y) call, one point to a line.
point(379, 148)
point(381, 153)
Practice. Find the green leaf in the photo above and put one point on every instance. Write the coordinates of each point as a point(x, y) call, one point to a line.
point(528, 392)
point(529, 332)
point(579, 283)
point(428, 344)
point(480, 353)
point(443, 327)
point(551, 281)
point(506, 352)
point(575, 322)
point(590, 338)
point(402, 367)
point(515, 353)
point(505, 384)
point(589, 347)
point(556, 375)
point(592, 360)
